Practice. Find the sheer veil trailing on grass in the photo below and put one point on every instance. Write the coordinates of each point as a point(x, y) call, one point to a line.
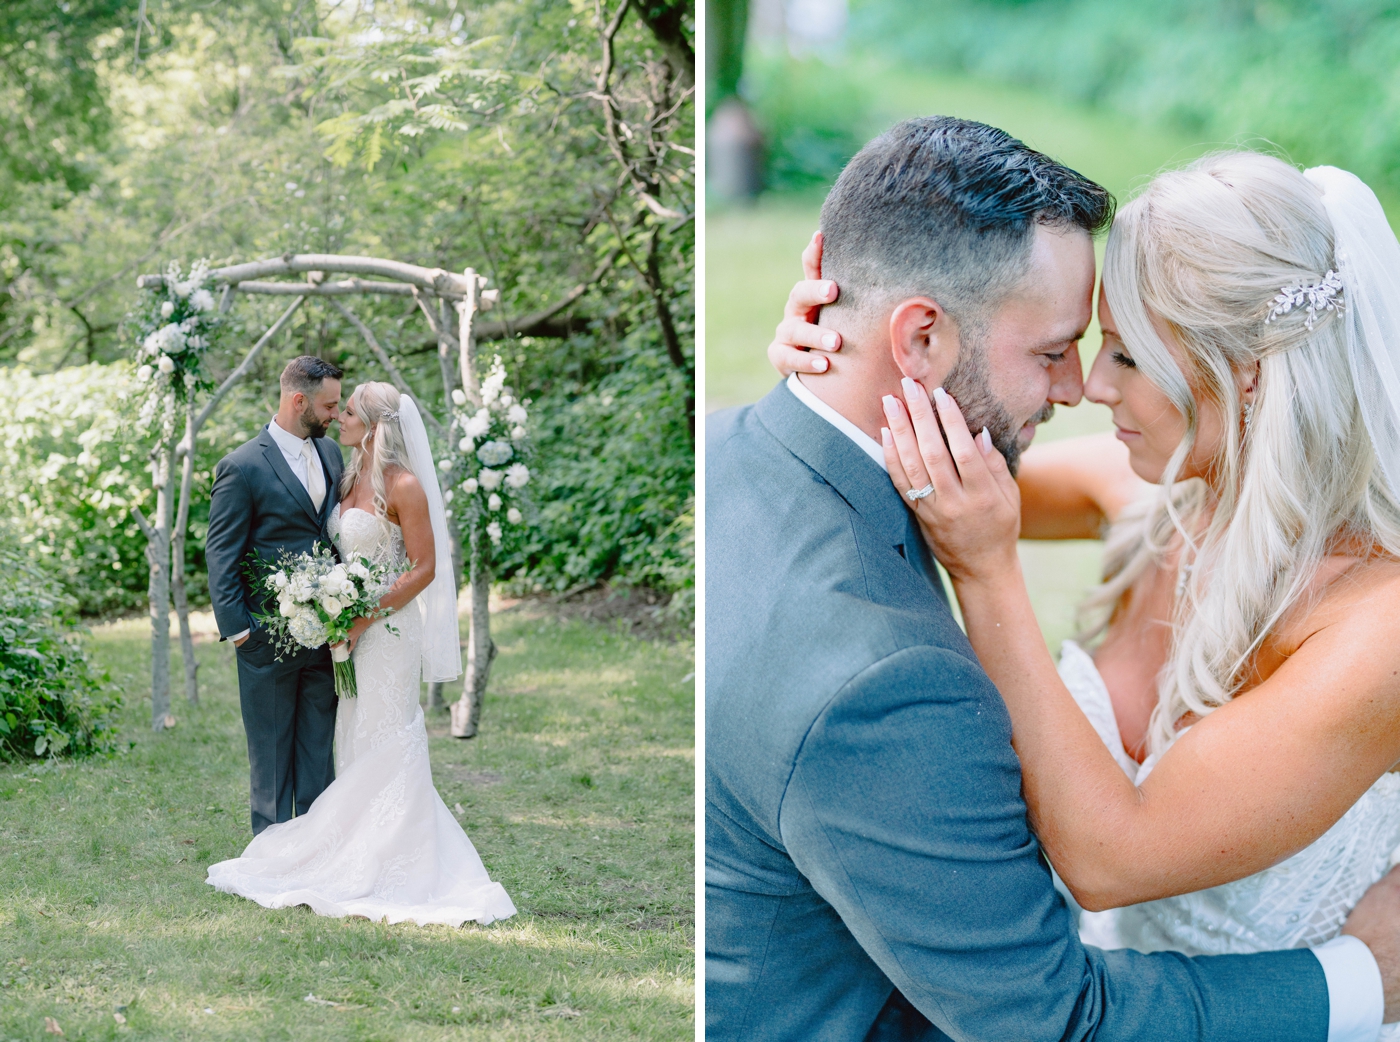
point(379, 842)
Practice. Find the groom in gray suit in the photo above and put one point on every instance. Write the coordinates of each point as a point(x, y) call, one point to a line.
point(271, 494)
point(870, 872)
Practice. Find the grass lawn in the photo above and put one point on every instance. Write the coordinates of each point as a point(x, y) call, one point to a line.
point(578, 795)
point(753, 256)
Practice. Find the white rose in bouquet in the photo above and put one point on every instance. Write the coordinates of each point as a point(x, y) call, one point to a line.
point(494, 503)
point(357, 569)
point(279, 579)
point(470, 486)
point(517, 475)
point(166, 364)
point(490, 479)
point(331, 605)
point(144, 373)
point(514, 516)
point(466, 445)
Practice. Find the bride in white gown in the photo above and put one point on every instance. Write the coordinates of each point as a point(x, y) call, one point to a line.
point(379, 842)
point(1243, 679)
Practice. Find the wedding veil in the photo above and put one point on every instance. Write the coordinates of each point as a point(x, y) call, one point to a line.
point(1368, 260)
point(442, 649)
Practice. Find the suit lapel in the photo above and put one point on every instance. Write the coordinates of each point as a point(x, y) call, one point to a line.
point(332, 481)
point(284, 473)
point(858, 479)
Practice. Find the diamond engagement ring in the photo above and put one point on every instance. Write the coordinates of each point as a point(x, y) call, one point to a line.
point(916, 494)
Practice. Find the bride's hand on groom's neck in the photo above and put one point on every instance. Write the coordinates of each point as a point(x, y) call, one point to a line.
point(968, 505)
point(799, 345)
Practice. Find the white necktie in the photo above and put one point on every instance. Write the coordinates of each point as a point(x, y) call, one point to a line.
point(315, 481)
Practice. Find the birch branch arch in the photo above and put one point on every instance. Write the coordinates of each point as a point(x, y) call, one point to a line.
point(451, 304)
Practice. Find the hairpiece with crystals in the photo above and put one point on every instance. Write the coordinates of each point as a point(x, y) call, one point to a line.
point(1318, 297)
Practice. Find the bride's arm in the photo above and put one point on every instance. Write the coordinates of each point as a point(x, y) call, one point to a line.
point(1247, 786)
point(1070, 489)
point(407, 506)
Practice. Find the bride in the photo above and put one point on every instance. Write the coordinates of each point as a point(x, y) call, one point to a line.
point(379, 842)
point(1213, 777)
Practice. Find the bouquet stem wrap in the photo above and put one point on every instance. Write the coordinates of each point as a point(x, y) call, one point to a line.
point(344, 671)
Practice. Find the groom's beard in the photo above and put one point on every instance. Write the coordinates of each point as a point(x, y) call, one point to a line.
point(969, 384)
point(311, 425)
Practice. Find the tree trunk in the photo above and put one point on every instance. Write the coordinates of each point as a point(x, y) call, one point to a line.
point(481, 650)
point(177, 556)
point(158, 588)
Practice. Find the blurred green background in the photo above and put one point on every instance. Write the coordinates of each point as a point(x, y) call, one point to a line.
point(1116, 91)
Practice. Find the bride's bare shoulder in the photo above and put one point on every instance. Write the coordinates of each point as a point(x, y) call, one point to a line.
point(1352, 591)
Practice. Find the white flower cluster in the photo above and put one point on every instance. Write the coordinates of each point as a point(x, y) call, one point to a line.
point(319, 597)
point(491, 437)
point(169, 356)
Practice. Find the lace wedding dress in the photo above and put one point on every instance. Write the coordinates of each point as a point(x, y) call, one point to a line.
point(1299, 903)
point(379, 842)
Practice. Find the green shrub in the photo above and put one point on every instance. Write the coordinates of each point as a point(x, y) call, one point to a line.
point(52, 701)
point(813, 115)
point(1317, 80)
point(612, 493)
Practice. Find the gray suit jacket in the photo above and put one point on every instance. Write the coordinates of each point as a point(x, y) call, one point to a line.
point(258, 505)
point(869, 868)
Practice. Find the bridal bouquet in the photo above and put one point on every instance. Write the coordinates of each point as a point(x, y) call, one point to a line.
point(318, 600)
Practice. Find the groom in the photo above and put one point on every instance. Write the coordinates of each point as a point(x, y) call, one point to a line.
point(870, 873)
point(271, 494)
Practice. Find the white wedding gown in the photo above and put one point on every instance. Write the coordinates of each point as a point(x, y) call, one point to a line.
point(378, 842)
point(1299, 903)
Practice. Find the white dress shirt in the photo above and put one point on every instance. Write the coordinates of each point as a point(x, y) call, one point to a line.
point(294, 452)
point(1355, 996)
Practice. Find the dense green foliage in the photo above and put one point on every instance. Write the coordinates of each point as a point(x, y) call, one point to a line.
point(431, 131)
point(814, 117)
point(52, 699)
point(1316, 81)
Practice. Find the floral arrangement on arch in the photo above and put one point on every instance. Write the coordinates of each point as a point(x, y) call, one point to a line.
point(173, 327)
point(490, 472)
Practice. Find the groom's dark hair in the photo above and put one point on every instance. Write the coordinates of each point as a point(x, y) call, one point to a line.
point(947, 208)
point(305, 373)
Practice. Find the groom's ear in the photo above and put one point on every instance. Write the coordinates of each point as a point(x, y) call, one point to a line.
point(924, 340)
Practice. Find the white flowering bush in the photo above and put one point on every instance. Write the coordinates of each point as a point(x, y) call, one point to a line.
point(489, 473)
point(318, 600)
point(173, 328)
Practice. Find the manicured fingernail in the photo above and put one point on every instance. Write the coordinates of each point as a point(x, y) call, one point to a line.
point(829, 340)
point(986, 441)
point(911, 388)
point(886, 438)
point(820, 365)
point(940, 396)
point(891, 404)
point(831, 291)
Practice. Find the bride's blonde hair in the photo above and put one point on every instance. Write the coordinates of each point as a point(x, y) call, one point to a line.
point(377, 404)
point(1207, 249)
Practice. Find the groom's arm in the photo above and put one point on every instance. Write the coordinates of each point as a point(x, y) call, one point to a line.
point(904, 811)
point(225, 547)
